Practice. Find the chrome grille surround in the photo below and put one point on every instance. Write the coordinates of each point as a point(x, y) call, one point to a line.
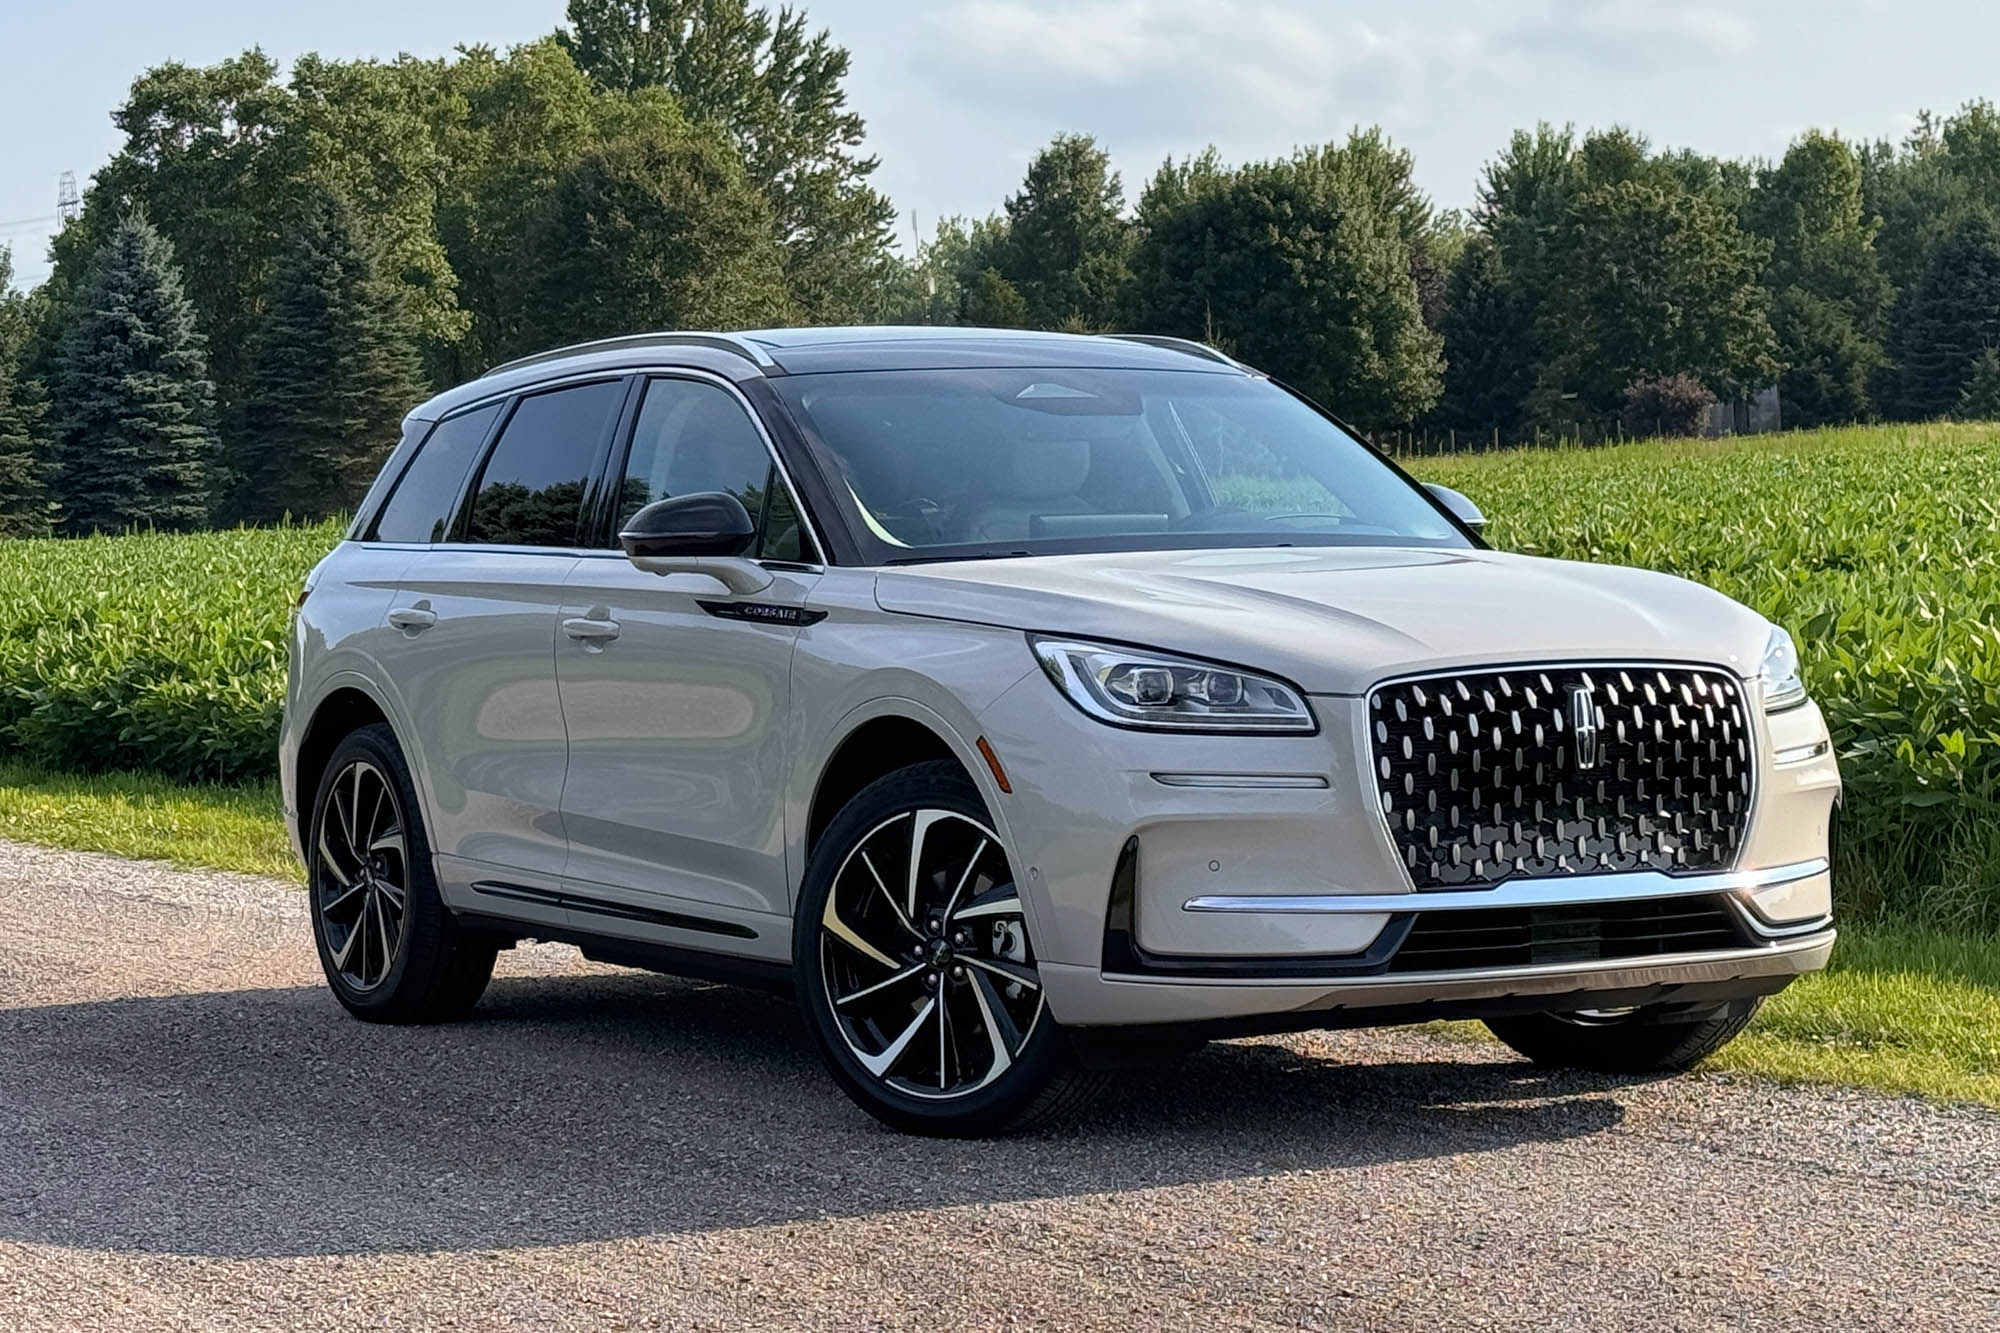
point(1486, 775)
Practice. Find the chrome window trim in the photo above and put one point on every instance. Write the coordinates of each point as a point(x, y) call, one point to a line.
point(1265, 781)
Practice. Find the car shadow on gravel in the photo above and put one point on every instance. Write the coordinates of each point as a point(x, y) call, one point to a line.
point(267, 1123)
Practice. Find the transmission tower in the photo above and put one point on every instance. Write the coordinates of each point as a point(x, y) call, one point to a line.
point(69, 205)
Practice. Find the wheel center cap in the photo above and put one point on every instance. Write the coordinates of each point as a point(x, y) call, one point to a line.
point(938, 952)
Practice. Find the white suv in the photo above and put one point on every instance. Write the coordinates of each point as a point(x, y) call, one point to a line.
point(1026, 704)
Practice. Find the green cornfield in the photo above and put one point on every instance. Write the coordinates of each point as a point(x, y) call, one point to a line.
point(1878, 547)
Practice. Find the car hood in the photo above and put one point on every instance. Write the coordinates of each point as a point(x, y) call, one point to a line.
point(1335, 620)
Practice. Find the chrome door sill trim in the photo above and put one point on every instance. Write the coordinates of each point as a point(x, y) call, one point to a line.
point(1552, 892)
point(1264, 781)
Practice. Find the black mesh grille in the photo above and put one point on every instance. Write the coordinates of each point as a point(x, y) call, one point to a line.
point(1597, 932)
point(1486, 776)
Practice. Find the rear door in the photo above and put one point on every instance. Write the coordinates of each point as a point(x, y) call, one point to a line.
point(478, 612)
point(675, 694)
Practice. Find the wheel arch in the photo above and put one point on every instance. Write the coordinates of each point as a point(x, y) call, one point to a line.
point(343, 711)
point(872, 748)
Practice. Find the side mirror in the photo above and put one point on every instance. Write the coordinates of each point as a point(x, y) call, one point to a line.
point(1461, 508)
point(706, 533)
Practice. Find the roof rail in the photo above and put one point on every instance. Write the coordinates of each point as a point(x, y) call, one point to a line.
point(1187, 345)
point(721, 342)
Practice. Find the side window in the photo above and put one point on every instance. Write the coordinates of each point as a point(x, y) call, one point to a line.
point(531, 489)
point(693, 437)
point(419, 509)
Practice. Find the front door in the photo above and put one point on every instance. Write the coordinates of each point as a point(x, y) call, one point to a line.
point(675, 694)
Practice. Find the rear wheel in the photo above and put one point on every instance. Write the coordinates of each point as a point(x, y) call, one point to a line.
point(1645, 1040)
point(915, 969)
point(391, 950)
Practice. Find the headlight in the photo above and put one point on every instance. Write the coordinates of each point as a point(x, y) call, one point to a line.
point(1780, 673)
point(1157, 692)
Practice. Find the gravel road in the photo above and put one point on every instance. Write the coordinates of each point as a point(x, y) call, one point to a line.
point(193, 1136)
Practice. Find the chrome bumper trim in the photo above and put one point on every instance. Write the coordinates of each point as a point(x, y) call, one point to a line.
point(1524, 893)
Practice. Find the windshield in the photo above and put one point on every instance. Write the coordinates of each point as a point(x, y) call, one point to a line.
point(946, 464)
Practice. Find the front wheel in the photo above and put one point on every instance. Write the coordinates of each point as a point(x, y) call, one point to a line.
point(391, 950)
point(915, 970)
point(1645, 1040)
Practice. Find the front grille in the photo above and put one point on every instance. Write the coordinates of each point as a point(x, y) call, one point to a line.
point(1486, 776)
point(1596, 932)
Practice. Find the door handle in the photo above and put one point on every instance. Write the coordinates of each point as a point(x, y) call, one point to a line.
point(590, 630)
point(413, 619)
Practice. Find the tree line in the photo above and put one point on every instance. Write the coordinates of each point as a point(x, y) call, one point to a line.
point(272, 269)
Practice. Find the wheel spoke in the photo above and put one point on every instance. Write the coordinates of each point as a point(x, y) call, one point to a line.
point(919, 828)
point(352, 892)
point(944, 1038)
point(908, 973)
point(847, 935)
point(327, 859)
point(385, 947)
point(1002, 967)
point(902, 918)
point(354, 813)
point(951, 903)
point(355, 934)
point(394, 895)
point(1000, 902)
point(1004, 1037)
point(879, 1065)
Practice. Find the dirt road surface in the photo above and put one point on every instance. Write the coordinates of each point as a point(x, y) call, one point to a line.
point(193, 1136)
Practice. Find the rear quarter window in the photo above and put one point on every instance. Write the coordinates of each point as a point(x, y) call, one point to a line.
point(420, 508)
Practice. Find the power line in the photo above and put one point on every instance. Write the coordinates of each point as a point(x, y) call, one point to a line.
point(29, 222)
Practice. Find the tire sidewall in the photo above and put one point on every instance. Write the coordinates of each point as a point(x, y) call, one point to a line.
point(934, 786)
point(377, 746)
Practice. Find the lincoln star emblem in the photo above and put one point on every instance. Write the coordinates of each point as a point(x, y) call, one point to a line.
point(1582, 726)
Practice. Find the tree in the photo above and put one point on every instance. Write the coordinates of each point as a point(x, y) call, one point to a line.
point(1068, 247)
point(132, 404)
point(654, 229)
point(1980, 399)
point(775, 89)
point(1666, 405)
point(1654, 280)
point(25, 471)
point(1293, 267)
point(1828, 293)
point(1947, 319)
point(1488, 333)
point(332, 371)
point(992, 302)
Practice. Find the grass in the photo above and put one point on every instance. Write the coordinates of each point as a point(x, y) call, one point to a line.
point(1903, 1009)
point(150, 818)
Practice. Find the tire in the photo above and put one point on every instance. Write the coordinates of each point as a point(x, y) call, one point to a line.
point(386, 963)
point(1638, 1041)
point(903, 980)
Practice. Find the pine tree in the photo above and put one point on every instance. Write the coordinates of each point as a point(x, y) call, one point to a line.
point(1980, 400)
point(132, 405)
point(1068, 249)
point(332, 370)
point(1946, 320)
point(25, 507)
point(1488, 331)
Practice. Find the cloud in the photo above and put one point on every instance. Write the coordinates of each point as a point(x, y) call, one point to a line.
point(1189, 71)
point(1643, 34)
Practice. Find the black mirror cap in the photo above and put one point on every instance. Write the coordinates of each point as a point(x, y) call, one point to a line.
point(710, 523)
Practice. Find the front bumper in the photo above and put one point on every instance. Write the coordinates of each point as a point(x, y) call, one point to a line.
point(1268, 893)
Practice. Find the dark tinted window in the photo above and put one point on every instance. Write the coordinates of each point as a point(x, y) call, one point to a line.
point(531, 491)
point(694, 437)
point(420, 508)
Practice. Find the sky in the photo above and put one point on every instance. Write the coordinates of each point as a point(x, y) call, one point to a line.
point(958, 94)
